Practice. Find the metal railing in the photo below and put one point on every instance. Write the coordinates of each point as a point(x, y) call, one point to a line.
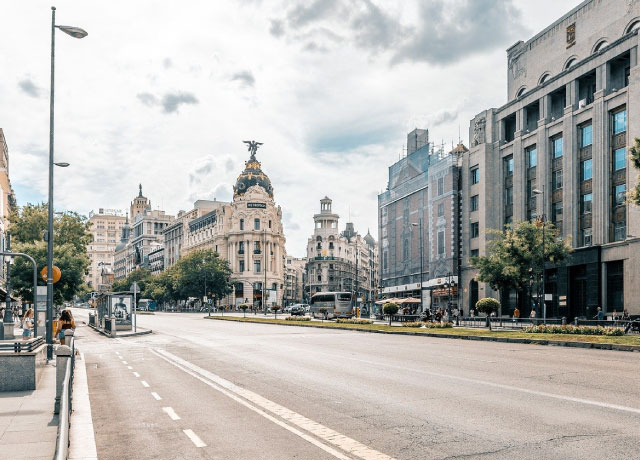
point(22, 346)
point(64, 413)
point(507, 322)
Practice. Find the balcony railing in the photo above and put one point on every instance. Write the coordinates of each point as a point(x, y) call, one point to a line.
point(240, 251)
point(257, 251)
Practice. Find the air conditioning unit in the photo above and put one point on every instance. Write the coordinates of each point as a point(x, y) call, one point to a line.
point(582, 103)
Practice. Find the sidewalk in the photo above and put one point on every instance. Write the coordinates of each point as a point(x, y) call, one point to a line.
point(28, 427)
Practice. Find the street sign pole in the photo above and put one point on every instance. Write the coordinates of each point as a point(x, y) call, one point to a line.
point(135, 289)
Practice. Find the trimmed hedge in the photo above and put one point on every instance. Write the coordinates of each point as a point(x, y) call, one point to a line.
point(569, 329)
point(353, 321)
point(427, 324)
point(297, 318)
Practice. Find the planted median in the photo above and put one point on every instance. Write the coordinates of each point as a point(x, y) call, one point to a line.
point(630, 341)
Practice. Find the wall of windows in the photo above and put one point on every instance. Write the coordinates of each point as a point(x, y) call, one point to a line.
point(618, 167)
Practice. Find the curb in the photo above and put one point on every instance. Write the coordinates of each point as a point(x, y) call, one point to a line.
point(132, 334)
point(534, 341)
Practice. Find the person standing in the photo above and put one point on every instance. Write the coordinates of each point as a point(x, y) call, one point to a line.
point(516, 315)
point(599, 316)
point(27, 324)
point(66, 322)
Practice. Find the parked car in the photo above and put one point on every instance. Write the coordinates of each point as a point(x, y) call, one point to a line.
point(297, 310)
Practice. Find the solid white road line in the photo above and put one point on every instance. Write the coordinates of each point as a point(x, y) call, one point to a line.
point(83, 442)
point(144, 384)
point(194, 438)
point(501, 386)
point(241, 396)
point(135, 374)
point(156, 395)
point(171, 413)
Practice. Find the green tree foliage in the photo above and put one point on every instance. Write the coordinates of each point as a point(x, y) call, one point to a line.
point(200, 269)
point(142, 276)
point(487, 305)
point(634, 155)
point(71, 236)
point(514, 254)
point(390, 309)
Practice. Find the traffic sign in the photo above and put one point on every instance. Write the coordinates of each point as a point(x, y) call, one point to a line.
point(135, 288)
point(56, 274)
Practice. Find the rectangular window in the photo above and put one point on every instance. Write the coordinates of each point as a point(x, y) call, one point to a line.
point(441, 242)
point(620, 159)
point(256, 247)
point(440, 209)
point(556, 212)
point(256, 224)
point(508, 195)
point(532, 157)
point(256, 266)
point(508, 166)
point(241, 266)
point(557, 147)
point(475, 229)
point(475, 176)
point(556, 179)
point(586, 236)
point(585, 203)
point(620, 194)
point(474, 203)
point(440, 185)
point(586, 135)
point(619, 122)
point(586, 170)
point(474, 253)
point(241, 224)
point(269, 224)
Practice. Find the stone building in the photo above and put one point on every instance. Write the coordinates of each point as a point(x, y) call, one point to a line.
point(156, 258)
point(419, 227)
point(106, 228)
point(7, 198)
point(557, 150)
point(294, 280)
point(339, 261)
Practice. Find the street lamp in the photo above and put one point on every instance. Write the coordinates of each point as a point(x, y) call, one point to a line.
point(541, 289)
point(75, 32)
point(419, 224)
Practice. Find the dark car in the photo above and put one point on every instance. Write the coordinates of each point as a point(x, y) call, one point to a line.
point(297, 310)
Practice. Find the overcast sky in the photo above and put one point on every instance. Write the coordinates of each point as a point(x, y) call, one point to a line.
point(164, 93)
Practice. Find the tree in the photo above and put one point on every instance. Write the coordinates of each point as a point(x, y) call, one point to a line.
point(275, 309)
point(244, 307)
point(513, 255)
point(634, 155)
point(390, 309)
point(488, 305)
point(142, 276)
point(199, 270)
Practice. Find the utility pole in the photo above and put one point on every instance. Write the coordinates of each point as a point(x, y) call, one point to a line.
point(264, 285)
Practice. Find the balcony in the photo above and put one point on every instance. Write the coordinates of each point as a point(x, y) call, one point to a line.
point(257, 251)
point(240, 251)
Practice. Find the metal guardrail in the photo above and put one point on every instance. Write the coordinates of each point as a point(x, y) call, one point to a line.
point(521, 323)
point(64, 414)
point(22, 346)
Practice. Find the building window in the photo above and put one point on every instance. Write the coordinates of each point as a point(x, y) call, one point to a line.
point(256, 224)
point(241, 224)
point(241, 269)
point(474, 253)
point(385, 260)
point(556, 147)
point(474, 203)
point(586, 135)
point(256, 266)
point(532, 157)
point(508, 166)
point(619, 194)
point(586, 237)
point(508, 195)
point(269, 224)
point(440, 185)
point(256, 247)
point(585, 203)
point(619, 122)
point(556, 212)
point(619, 159)
point(441, 242)
point(556, 179)
point(586, 170)
point(475, 176)
point(405, 249)
point(331, 245)
point(440, 209)
point(475, 229)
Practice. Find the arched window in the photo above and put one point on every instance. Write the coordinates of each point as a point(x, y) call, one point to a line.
point(599, 46)
point(318, 238)
point(521, 91)
point(545, 76)
point(570, 62)
point(633, 26)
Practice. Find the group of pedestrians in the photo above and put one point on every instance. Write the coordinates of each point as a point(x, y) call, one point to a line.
point(65, 321)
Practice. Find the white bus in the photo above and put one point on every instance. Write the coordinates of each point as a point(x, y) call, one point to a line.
point(337, 305)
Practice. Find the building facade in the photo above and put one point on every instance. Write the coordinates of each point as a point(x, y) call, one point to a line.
point(558, 151)
point(105, 227)
point(7, 199)
point(293, 281)
point(340, 261)
point(419, 224)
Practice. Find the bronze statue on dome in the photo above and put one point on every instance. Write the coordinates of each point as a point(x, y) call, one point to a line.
point(253, 148)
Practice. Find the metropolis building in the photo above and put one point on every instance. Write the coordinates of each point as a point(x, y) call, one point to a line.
point(558, 150)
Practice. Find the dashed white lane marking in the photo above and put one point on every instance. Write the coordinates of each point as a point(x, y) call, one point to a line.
point(171, 413)
point(501, 386)
point(144, 384)
point(129, 367)
point(135, 374)
point(124, 362)
point(156, 395)
point(194, 438)
point(241, 396)
point(118, 353)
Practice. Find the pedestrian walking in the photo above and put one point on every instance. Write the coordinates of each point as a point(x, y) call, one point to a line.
point(599, 316)
point(66, 322)
point(27, 324)
point(516, 315)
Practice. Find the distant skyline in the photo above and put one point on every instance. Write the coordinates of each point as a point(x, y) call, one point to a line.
point(164, 93)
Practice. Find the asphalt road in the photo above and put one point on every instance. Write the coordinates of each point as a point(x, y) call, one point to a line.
point(250, 391)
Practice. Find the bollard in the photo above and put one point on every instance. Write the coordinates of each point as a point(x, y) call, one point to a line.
point(575, 321)
point(63, 353)
point(564, 320)
point(113, 327)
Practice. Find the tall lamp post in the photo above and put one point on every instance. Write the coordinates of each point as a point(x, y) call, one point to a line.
point(542, 287)
point(75, 32)
point(419, 225)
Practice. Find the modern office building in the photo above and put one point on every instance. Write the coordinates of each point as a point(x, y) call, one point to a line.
point(558, 150)
point(105, 227)
point(418, 218)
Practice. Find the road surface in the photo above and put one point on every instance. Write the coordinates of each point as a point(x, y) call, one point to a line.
point(199, 388)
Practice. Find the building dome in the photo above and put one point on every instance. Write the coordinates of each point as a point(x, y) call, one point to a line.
point(369, 239)
point(252, 175)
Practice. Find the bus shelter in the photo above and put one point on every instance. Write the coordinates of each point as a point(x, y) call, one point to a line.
point(115, 305)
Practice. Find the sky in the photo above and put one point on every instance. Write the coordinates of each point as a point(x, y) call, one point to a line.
point(164, 93)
